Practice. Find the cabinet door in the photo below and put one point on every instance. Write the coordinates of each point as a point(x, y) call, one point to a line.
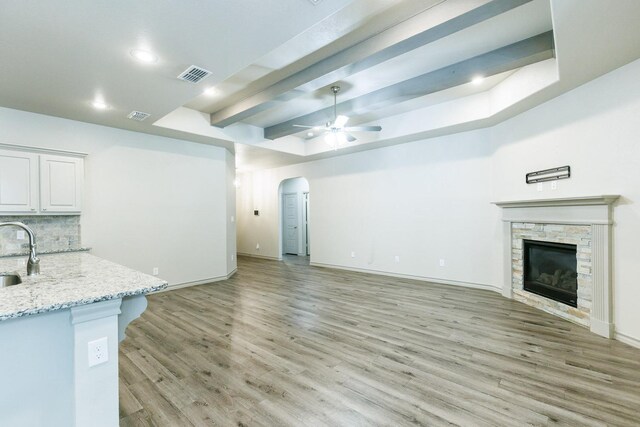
point(61, 180)
point(18, 182)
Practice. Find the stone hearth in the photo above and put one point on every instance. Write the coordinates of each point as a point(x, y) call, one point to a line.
point(582, 221)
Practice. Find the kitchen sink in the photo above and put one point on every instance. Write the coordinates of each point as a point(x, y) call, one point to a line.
point(7, 280)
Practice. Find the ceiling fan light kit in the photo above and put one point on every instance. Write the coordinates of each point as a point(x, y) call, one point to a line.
point(336, 134)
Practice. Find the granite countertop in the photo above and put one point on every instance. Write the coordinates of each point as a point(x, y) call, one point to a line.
point(62, 251)
point(68, 280)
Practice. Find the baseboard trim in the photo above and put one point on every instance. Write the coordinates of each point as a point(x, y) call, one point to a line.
point(633, 342)
point(197, 282)
point(272, 258)
point(412, 277)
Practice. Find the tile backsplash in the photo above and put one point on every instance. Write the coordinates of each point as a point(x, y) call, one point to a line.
point(53, 233)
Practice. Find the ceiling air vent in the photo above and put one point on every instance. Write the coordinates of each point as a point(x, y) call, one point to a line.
point(138, 116)
point(194, 74)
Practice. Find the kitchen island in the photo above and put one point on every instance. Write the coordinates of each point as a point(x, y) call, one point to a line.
point(59, 335)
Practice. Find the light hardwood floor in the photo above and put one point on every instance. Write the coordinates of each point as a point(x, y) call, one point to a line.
point(286, 344)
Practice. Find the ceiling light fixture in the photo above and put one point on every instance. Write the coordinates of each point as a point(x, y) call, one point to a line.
point(99, 105)
point(477, 80)
point(210, 91)
point(336, 132)
point(144, 56)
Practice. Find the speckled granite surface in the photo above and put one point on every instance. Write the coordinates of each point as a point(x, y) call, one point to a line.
point(62, 251)
point(68, 280)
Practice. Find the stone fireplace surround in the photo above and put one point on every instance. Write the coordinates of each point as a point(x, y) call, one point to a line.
point(583, 221)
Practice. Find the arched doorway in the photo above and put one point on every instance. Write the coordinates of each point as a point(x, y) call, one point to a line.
point(294, 217)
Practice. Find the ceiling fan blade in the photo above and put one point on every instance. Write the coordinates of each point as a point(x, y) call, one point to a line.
point(340, 121)
point(303, 126)
point(350, 138)
point(363, 129)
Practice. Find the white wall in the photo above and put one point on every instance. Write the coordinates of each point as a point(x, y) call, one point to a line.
point(230, 164)
point(410, 201)
point(149, 201)
point(430, 199)
point(596, 130)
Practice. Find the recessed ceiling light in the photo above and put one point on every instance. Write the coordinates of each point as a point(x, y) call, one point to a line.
point(477, 80)
point(309, 134)
point(210, 91)
point(144, 56)
point(99, 105)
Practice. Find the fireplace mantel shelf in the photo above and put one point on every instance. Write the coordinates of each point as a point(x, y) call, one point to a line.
point(607, 199)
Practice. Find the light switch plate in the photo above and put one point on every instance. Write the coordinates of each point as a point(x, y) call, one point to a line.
point(20, 235)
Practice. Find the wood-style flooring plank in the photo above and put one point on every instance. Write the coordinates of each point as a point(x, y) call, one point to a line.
point(282, 343)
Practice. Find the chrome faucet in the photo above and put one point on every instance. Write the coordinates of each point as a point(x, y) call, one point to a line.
point(33, 264)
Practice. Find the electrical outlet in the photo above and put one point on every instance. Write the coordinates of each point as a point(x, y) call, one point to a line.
point(155, 271)
point(441, 263)
point(554, 185)
point(540, 186)
point(353, 254)
point(98, 351)
point(257, 246)
point(233, 219)
point(20, 235)
point(397, 258)
point(232, 257)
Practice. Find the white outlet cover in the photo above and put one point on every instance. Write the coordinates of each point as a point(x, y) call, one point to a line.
point(540, 187)
point(397, 258)
point(353, 254)
point(554, 185)
point(155, 271)
point(20, 235)
point(441, 263)
point(98, 351)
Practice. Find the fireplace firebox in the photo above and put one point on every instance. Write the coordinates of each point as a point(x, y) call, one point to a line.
point(550, 270)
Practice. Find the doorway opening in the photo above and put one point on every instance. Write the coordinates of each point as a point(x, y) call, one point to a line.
point(294, 218)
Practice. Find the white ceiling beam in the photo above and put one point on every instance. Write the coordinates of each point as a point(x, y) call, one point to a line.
point(368, 53)
point(516, 55)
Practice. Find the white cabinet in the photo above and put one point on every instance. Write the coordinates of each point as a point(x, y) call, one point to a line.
point(61, 179)
point(32, 183)
point(18, 182)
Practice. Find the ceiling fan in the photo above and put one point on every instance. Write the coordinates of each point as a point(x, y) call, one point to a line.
point(336, 134)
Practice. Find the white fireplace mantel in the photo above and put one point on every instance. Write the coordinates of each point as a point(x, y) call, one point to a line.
point(594, 211)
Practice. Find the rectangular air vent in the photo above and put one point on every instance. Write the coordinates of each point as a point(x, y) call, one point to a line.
point(194, 74)
point(138, 116)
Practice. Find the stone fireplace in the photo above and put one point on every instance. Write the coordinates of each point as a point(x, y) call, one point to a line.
point(558, 258)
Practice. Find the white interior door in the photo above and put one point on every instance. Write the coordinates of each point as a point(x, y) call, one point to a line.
point(290, 226)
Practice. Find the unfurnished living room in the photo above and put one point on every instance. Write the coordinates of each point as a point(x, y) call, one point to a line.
point(319, 213)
